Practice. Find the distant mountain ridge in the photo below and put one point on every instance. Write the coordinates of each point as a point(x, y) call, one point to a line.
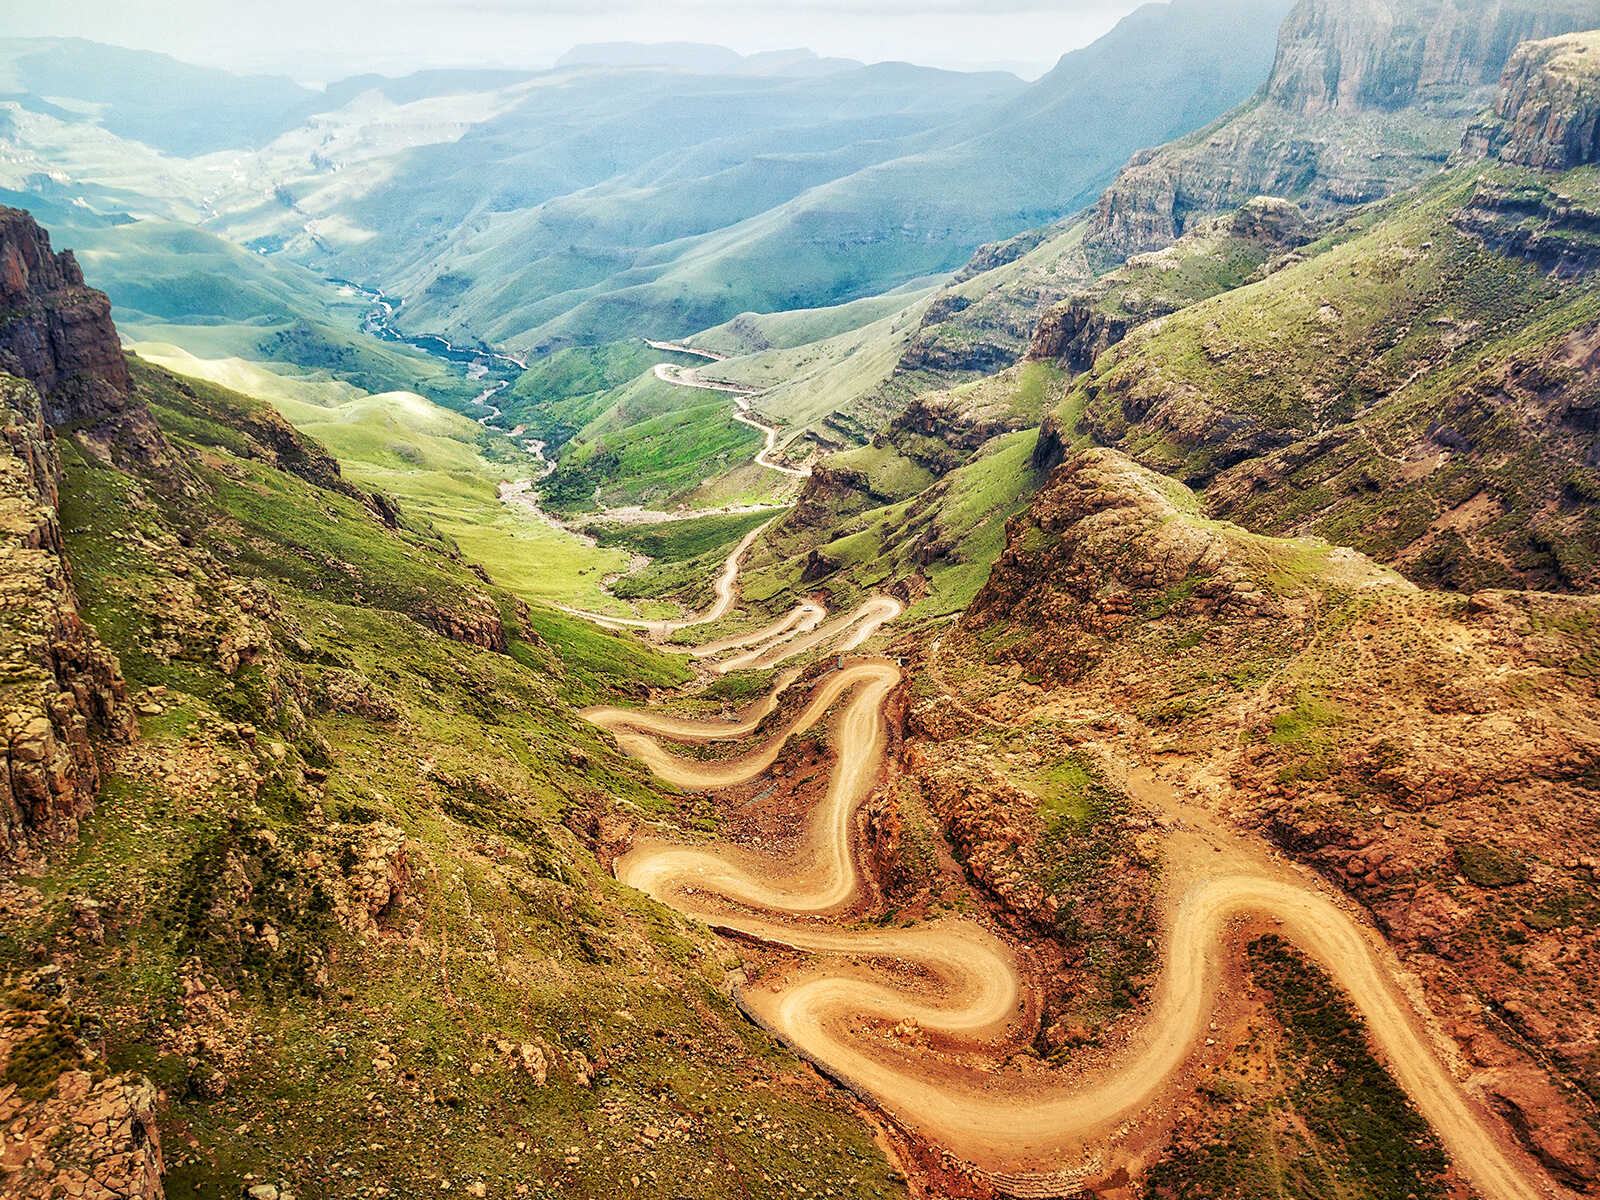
point(1015, 160)
point(1364, 99)
point(611, 197)
point(705, 58)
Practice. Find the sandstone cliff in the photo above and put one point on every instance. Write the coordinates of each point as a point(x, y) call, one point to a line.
point(57, 333)
point(1365, 99)
point(62, 686)
point(1547, 112)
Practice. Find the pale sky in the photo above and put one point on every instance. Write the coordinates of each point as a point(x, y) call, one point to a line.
point(318, 40)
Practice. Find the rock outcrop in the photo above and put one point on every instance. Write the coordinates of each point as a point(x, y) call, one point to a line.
point(1558, 233)
point(1103, 542)
point(58, 329)
point(1547, 112)
point(70, 1129)
point(1366, 98)
point(1077, 331)
point(62, 686)
point(474, 618)
point(1082, 327)
point(56, 332)
point(981, 322)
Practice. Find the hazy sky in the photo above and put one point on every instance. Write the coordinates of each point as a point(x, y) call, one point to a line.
point(316, 40)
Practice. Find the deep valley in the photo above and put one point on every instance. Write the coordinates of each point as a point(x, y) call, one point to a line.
point(689, 624)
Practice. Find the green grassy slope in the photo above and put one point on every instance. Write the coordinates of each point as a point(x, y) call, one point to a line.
point(444, 468)
point(1408, 390)
point(653, 444)
point(315, 1055)
point(751, 333)
point(921, 510)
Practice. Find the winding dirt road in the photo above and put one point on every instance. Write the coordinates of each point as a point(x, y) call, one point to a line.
point(725, 586)
point(685, 377)
point(1031, 1133)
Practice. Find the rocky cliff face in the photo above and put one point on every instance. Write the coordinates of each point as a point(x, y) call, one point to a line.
point(1547, 112)
point(1366, 98)
point(62, 686)
point(1079, 329)
point(56, 332)
point(1338, 56)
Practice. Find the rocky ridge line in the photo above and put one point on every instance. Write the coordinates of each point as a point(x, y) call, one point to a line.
point(1364, 100)
point(56, 332)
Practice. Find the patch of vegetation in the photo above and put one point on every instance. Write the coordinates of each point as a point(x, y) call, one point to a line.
point(1305, 735)
point(563, 391)
point(1490, 866)
point(653, 444)
point(1303, 1109)
point(40, 1057)
point(676, 541)
point(1100, 910)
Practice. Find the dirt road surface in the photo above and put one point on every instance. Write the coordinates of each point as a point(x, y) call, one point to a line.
point(1034, 1132)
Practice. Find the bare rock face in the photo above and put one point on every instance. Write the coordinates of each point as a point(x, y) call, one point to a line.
point(1338, 56)
point(1075, 332)
point(1270, 221)
point(1555, 232)
point(62, 686)
point(57, 333)
point(1366, 97)
point(474, 618)
point(376, 880)
point(70, 1129)
point(1547, 112)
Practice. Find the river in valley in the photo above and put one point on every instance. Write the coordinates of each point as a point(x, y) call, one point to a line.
point(495, 370)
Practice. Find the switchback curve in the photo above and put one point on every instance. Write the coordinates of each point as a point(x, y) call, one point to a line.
point(1030, 1134)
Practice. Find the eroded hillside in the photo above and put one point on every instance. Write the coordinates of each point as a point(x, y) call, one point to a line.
point(304, 817)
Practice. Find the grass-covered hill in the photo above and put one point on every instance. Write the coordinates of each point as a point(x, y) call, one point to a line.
point(1420, 386)
point(172, 282)
point(339, 900)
